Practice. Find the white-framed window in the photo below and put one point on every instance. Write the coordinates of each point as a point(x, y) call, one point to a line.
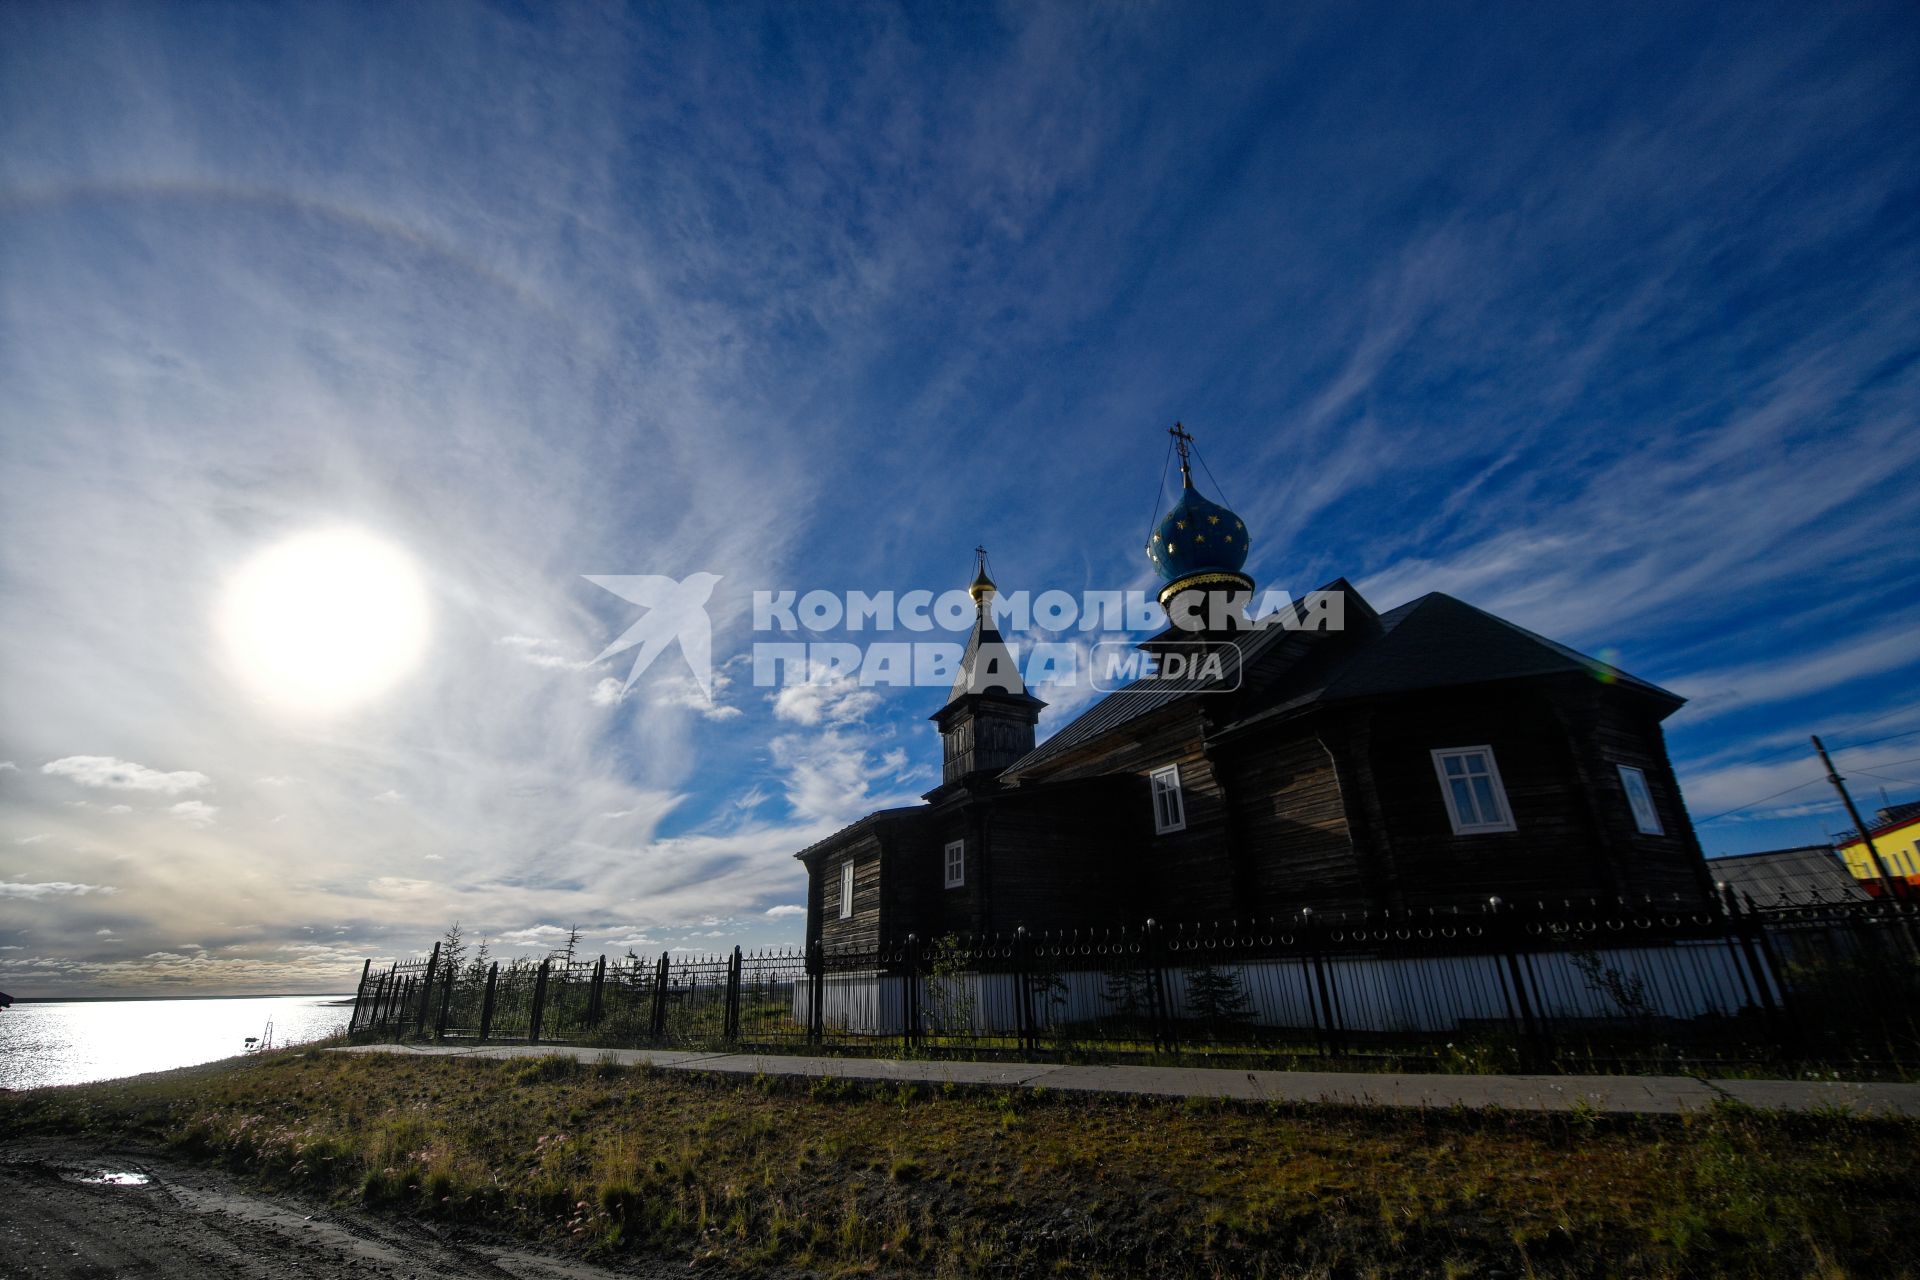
point(1640, 800)
point(1470, 783)
point(956, 864)
point(1169, 806)
point(846, 889)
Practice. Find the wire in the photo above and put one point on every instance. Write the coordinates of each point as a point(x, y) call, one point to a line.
point(1908, 733)
point(1217, 486)
point(1905, 782)
point(1159, 489)
point(1701, 822)
point(1883, 764)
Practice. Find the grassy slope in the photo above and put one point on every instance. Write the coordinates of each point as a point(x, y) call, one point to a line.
point(841, 1179)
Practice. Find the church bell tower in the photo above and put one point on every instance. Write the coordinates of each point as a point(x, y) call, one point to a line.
point(989, 718)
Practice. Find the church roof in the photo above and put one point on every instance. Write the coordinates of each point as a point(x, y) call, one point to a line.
point(988, 665)
point(1437, 641)
point(1430, 643)
point(877, 818)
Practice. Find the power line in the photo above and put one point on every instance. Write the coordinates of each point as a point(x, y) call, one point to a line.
point(1884, 764)
point(1908, 733)
point(1762, 800)
point(1905, 782)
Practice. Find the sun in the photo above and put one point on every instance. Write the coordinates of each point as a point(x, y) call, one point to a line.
point(325, 620)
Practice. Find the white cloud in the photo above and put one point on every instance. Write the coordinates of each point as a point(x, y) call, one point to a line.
point(6, 765)
point(106, 771)
point(607, 693)
point(536, 652)
point(50, 889)
point(196, 813)
point(389, 796)
point(786, 909)
point(1803, 674)
point(37, 838)
point(684, 692)
point(535, 935)
point(825, 699)
point(838, 775)
point(401, 886)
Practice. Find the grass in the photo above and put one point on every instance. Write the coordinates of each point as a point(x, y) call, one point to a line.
point(839, 1179)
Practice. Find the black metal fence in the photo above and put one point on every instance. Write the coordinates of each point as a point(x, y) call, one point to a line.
point(1503, 987)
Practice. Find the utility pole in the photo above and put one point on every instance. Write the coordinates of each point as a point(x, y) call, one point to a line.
point(1859, 824)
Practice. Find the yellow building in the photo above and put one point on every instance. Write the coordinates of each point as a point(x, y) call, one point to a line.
point(1897, 837)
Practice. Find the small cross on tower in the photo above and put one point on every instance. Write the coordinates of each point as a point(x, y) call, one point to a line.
point(1183, 441)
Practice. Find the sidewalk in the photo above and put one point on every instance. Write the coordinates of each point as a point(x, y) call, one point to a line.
point(1608, 1095)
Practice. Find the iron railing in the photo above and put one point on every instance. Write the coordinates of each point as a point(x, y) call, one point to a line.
point(1501, 986)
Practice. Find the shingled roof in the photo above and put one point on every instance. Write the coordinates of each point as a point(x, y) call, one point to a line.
point(1808, 873)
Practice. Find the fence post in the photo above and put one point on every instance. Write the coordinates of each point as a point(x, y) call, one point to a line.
point(1023, 973)
point(359, 993)
point(730, 1029)
point(446, 999)
point(1743, 926)
point(383, 993)
point(596, 993)
point(426, 991)
point(658, 1028)
point(1509, 937)
point(1159, 993)
point(1325, 1020)
point(910, 993)
point(816, 992)
point(486, 1004)
point(539, 1002)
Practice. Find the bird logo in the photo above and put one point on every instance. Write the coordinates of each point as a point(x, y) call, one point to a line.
point(674, 611)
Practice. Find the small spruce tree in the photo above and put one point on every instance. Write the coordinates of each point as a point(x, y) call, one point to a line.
point(453, 950)
point(1216, 998)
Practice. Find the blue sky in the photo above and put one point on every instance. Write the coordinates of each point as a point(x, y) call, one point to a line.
point(1604, 320)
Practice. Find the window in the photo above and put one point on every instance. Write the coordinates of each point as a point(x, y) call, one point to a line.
point(1470, 782)
point(956, 864)
point(1640, 800)
point(846, 889)
point(1169, 808)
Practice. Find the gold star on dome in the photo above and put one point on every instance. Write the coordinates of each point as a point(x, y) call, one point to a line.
point(1239, 526)
point(1170, 548)
point(1229, 537)
point(1213, 519)
point(1199, 537)
point(1179, 524)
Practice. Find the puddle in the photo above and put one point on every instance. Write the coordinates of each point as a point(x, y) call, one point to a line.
point(108, 1178)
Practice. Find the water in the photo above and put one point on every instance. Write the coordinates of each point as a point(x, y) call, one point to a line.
point(72, 1042)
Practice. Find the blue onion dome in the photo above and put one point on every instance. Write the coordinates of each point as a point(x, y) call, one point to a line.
point(1199, 543)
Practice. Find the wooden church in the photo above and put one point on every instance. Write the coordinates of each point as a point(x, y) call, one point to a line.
point(1432, 755)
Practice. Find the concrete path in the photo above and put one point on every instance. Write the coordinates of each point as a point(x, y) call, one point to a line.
point(1609, 1095)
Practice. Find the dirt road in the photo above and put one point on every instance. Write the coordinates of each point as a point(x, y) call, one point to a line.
point(88, 1212)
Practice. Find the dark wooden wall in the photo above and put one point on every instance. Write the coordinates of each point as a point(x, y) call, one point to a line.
point(863, 929)
point(1289, 826)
